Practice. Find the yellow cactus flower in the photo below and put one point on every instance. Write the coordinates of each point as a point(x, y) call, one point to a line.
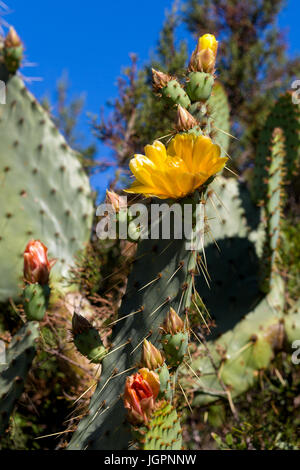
point(208, 41)
point(177, 171)
point(204, 56)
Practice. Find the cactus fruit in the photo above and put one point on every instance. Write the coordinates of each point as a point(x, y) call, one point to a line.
point(199, 86)
point(12, 51)
point(175, 94)
point(47, 193)
point(19, 356)
point(170, 89)
point(36, 300)
point(175, 348)
point(162, 432)
point(175, 339)
point(87, 339)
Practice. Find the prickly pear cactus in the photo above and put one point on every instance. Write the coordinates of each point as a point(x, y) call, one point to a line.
point(219, 112)
point(168, 283)
point(18, 360)
point(150, 293)
point(273, 205)
point(162, 432)
point(286, 116)
point(161, 286)
point(235, 358)
point(46, 194)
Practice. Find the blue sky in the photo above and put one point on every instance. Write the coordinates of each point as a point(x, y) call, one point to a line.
point(92, 39)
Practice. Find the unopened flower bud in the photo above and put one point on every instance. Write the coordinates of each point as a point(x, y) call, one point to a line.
point(204, 56)
point(118, 202)
point(37, 267)
point(160, 80)
point(173, 323)
point(12, 39)
point(151, 356)
point(185, 121)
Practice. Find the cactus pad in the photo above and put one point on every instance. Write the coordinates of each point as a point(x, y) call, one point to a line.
point(162, 432)
point(19, 357)
point(46, 192)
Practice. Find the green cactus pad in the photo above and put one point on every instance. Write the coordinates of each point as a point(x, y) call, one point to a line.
point(19, 357)
point(46, 192)
point(175, 347)
point(173, 93)
point(285, 115)
point(238, 354)
point(273, 210)
point(199, 86)
point(36, 299)
point(219, 114)
point(144, 308)
point(89, 344)
point(162, 432)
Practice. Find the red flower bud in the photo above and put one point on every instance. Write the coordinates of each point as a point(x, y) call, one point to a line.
point(141, 390)
point(37, 267)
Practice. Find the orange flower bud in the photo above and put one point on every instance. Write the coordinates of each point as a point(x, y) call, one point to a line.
point(37, 267)
point(141, 391)
point(151, 356)
point(173, 323)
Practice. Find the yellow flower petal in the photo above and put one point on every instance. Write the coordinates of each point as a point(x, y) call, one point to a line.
point(178, 171)
point(208, 41)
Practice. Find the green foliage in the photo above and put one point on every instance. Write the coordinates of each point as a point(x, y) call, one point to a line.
point(268, 414)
